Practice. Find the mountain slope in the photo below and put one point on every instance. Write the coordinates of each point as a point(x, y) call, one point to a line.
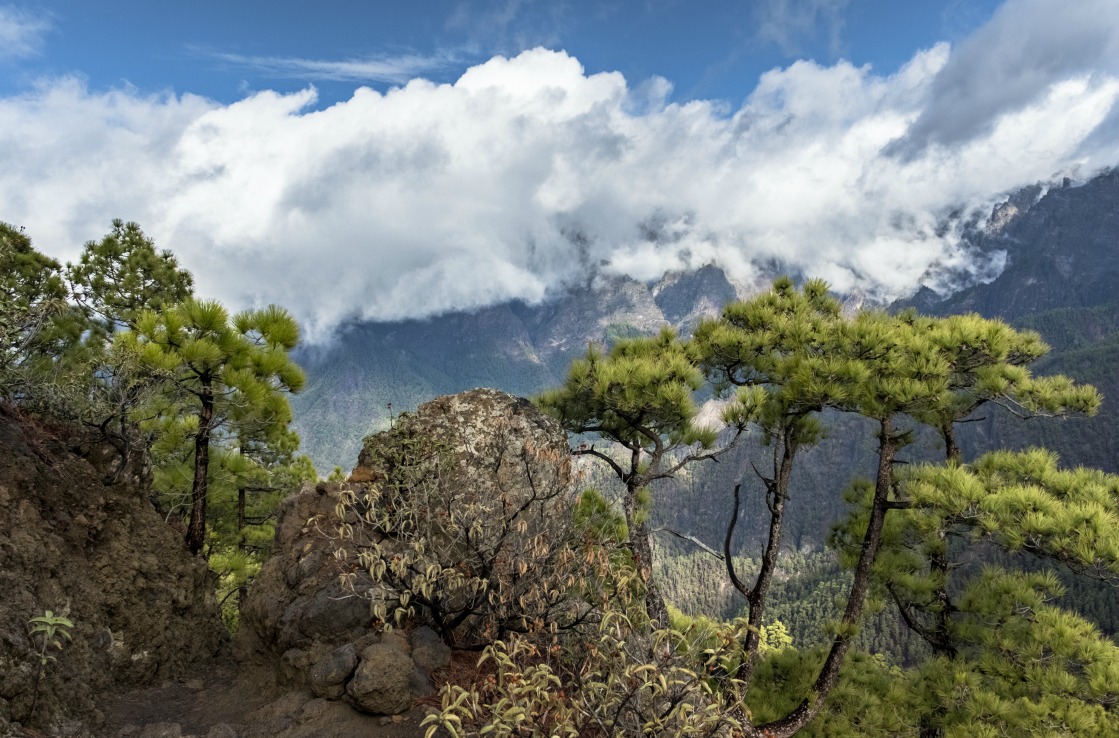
point(519, 348)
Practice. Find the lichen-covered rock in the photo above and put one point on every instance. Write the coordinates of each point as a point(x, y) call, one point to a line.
point(472, 486)
point(77, 541)
point(382, 682)
point(484, 431)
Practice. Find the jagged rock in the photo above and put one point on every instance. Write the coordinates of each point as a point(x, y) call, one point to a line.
point(329, 675)
point(296, 612)
point(382, 682)
point(75, 541)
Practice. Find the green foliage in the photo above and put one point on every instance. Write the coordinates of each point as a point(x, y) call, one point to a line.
point(226, 374)
point(50, 631)
point(1024, 502)
point(616, 680)
point(122, 275)
point(794, 365)
point(1025, 667)
point(871, 698)
point(128, 356)
point(31, 294)
point(640, 396)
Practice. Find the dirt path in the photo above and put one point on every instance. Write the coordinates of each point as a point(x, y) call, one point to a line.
point(223, 706)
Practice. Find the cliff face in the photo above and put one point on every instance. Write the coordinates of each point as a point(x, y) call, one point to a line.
point(1060, 253)
point(143, 608)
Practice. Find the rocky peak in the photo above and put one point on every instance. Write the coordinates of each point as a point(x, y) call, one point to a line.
point(1060, 251)
point(301, 625)
point(685, 297)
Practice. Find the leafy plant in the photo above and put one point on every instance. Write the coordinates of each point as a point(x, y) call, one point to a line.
point(50, 630)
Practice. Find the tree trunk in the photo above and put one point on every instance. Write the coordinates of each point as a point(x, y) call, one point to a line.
point(951, 448)
point(642, 550)
point(196, 531)
point(856, 600)
point(242, 589)
point(241, 518)
point(758, 595)
point(940, 564)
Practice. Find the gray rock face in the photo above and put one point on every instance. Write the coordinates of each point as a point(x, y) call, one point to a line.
point(382, 683)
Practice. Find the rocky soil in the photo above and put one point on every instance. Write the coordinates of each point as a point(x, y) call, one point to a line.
point(71, 542)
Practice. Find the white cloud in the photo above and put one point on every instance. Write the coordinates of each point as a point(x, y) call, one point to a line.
point(527, 172)
point(1027, 47)
point(21, 33)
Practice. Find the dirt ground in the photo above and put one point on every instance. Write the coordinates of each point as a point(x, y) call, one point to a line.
point(224, 706)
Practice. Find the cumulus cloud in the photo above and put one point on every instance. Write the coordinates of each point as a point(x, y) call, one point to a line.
point(21, 33)
point(527, 174)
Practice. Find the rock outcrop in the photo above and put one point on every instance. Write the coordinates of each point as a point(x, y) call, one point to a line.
point(300, 624)
point(143, 608)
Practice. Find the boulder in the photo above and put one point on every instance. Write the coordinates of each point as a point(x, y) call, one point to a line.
point(381, 685)
point(500, 465)
point(329, 675)
point(297, 612)
point(306, 630)
point(428, 649)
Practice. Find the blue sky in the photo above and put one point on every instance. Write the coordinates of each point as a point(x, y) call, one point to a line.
point(365, 160)
point(707, 49)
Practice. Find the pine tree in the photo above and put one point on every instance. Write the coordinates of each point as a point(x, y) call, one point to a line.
point(221, 369)
point(31, 294)
point(120, 276)
point(769, 348)
point(94, 381)
point(640, 396)
point(793, 361)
